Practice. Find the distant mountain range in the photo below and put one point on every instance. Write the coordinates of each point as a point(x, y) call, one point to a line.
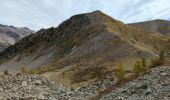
point(94, 41)
point(158, 26)
point(10, 35)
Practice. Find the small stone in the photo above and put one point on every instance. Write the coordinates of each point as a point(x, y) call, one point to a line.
point(41, 96)
point(34, 77)
point(133, 83)
point(121, 98)
point(24, 83)
point(148, 91)
point(38, 82)
point(163, 74)
point(1, 89)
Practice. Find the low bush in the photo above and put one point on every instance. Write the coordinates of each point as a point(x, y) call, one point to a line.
point(25, 70)
point(157, 61)
point(120, 72)
point(139, 66)
point(6, 72)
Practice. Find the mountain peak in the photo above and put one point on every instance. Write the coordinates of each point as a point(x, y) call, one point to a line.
point(91, 15)
point(11, 34)
point(97, 12)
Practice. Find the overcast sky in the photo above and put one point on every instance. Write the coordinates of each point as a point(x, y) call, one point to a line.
point(36, 14)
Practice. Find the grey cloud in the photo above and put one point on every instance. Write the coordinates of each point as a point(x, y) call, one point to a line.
point(37, 14)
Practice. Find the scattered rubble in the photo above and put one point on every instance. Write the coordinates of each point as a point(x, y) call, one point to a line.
point(155, 85)
point(33, 87)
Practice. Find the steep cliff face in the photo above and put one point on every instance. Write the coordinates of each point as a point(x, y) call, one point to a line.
point(84, 47)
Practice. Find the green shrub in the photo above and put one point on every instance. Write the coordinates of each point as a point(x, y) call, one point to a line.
point(139, 66)
point(25, 70)
point(120, 72)
point(157, 61)
point(6, 72)
point(154, 62)
point(144, 63)
point(33, 71)
point(162, 57)
point(39, 70)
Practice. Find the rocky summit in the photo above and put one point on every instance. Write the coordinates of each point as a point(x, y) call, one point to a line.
point(154, 85)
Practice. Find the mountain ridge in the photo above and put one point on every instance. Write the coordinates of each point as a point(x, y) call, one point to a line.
point(158, 25)
point(10, 35)
point(94, 41)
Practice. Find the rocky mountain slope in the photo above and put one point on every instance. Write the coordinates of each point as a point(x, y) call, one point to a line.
point(3, 46)
point(10, 35)
point(82, 48)
point(158, 26)
point(154, 85)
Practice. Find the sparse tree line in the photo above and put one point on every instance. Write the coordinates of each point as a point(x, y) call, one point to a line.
point(140, 66)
